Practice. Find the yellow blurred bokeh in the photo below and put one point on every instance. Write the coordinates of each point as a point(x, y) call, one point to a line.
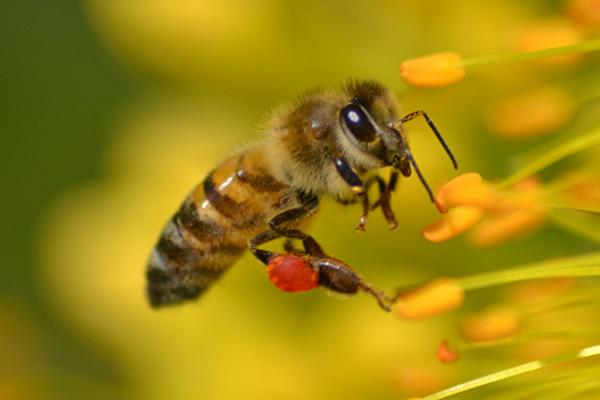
point(201, 78)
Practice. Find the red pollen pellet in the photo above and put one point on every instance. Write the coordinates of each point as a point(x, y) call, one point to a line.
point(292, 273)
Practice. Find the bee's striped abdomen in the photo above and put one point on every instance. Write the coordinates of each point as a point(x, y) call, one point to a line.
point(210, 231)
point(189, 257)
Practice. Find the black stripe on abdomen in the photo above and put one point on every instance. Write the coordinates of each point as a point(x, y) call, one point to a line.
point(203, 228)
point(224, 204)
point(239, 215)
point(177, 271)
point(262, 182)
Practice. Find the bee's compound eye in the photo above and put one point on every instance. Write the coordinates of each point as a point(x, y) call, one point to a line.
point(358, 123)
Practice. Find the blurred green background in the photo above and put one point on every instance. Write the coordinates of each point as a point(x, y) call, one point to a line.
point(60, 91)
point(112, 110)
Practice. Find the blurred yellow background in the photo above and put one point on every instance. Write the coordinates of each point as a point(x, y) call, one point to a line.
point(113, 110)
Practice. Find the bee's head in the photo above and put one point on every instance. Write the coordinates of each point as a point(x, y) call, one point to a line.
point(373, 135)
point(372, 126)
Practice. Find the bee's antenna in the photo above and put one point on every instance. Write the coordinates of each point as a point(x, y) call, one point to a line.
point(418, 171)
point(437, 134)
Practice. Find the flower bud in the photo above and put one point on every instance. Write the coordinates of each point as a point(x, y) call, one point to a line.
point(585, 13)
point(582, 188)
point(465, 190)
point(531, 113)
point(539, 291)
point(453, 223)
point(548, 34)
point(493, 324)
point(500, 227)
point(415, 379)
point(434, 70)
point(435, 297)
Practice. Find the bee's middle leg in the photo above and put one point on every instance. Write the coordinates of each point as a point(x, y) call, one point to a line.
point(264, 256)
point(279, 222)
point(385, 192)
point(385, 195)
point(278, 229)
point(362, 190)
point(366, 204)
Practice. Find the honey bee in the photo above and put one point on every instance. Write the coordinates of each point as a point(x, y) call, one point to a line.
point(327, 143)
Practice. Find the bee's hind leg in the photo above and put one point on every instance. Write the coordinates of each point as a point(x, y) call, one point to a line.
point(264, 256)
point(289, 247)
point(338, 276)
point(334, 274)
point(357, 186)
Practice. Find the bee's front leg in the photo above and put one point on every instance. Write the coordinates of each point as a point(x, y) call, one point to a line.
point(348, 175)
point(358, 187)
